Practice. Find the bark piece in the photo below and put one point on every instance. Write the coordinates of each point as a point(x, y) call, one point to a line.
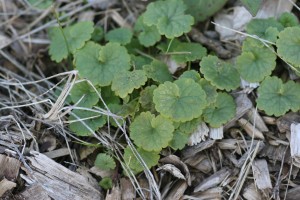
point(193, 150)
point(251, 193)
point(292, 194)
point(172, 170)
point(177, 190)
point(9, 167)
point(250, 129)
point(127, 189)
point(284, 123)
point(261, 174)
point(115, 194)
point(59, 182)
point(199, 134)
point(216, 133)
point(57, 153)
point(6, 185)
point(35, 192)
point(295, 143)
point(213, 193)
point(255, 118)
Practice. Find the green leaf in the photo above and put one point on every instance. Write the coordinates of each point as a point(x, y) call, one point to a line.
point(149, 157)
point(181, 101)
point(189, 126)
point(40, 4)
point(83, 89)
point(115, 109)
point(147, 35)
point(139, 61)
point(256, 62)
point(151, 133)
point(277, 98)
point(104, 162)
point(100, 64)
point(288, 45)
point(203, 9)
point(158, 71)
point(221, 111)
point(93, 120)
point(146, 98)
point(259, 27)
point(98, 34)
point(106, 183)
point(210, 90)
point(130, 108)
point(186, 52)
point(252, 5)
point(69, 39)
point(168, 17)
point(192, 74)
point(221, 74)
point(119, 35)
point(179, 140)
point(288, 19)
point(124, 83)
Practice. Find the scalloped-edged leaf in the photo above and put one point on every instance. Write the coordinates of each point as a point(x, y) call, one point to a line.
point(98, 34)
point(185, 52)
point(252, 5)
point(104, 161)
point(106, 183)
point(221, 111)
point(277, 98)
point(69, 39)
point(151, 133)
point(93, 120)
point(288, 45)
point(189, 126)
point(192, 74)
point(259, 27)
point(124, 83)
point(147, 35)
point(84, 91)
point(158, 71)
point(40, 4)
point(146, 98)
point(203, 9)
point(100, 64)
point(129, 108)
point(168, 17)
point(210, 90)
point(149, 157)
point(179, 140)
point(109, 96)
point(255, 63)
point(288, 19)
point(119, 35)
point(221, 74)
point(181, 101)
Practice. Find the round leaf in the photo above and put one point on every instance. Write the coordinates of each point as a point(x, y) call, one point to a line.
point(146, 98)
point(101, 64)
point(104, 162)
point(288, 45)
point(106, 183)
point(186, 52)
point(119, 35)
point(124, 83)
point(151, 133)
point(181, 101)
point(86, 93)
point(158, 71)
point(179, 140)
point(288, 19)
point(169, 17)
point(277, 98)
point(221, 74)
point(220, 111)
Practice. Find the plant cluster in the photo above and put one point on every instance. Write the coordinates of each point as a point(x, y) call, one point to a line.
point(165, 109)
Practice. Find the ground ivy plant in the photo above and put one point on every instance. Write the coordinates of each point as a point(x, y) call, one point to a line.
point(126, 67)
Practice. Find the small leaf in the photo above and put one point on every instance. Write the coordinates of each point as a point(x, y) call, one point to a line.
point(158, 71)
point(86, 93)
point(151, 133)
point(149, 157)
point(138, 61)
point(220, 111)
point(277, 98)
point(192, 74)
point(259, 27)
point(211, 91)
point(186, 52)
point(69, 39)
point(256, 62)
point(288, 19)
point(93, 120)
point(124, 83)
point(252, 6)
point(221, 74)
point(179, 140)
point(168, 17)
point(40, 4)
point(181, 101)
point(100, 64)
point(147, 35)
point(106, 183)
point(119, 35)
point(288, 46)
point(189, 126)
point(104, 162)
point(146, 98)
point(98, 34)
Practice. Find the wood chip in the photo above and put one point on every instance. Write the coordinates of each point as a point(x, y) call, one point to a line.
point(284, 123)
point(177, 190)
point(172, 170)
point(6, 185)
point(216, 133)
point(199, 134)
point(9, 167)
point(295, 143)
point(213, 193)
point(261, 174)
point(115, 194)
point(193, 150)
point(35, 192)
point(251, 193)
point(127, 189)
point(254, 117)
point(213, 180)
point(250, 129)
point(57, 153)
point(55, 178)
